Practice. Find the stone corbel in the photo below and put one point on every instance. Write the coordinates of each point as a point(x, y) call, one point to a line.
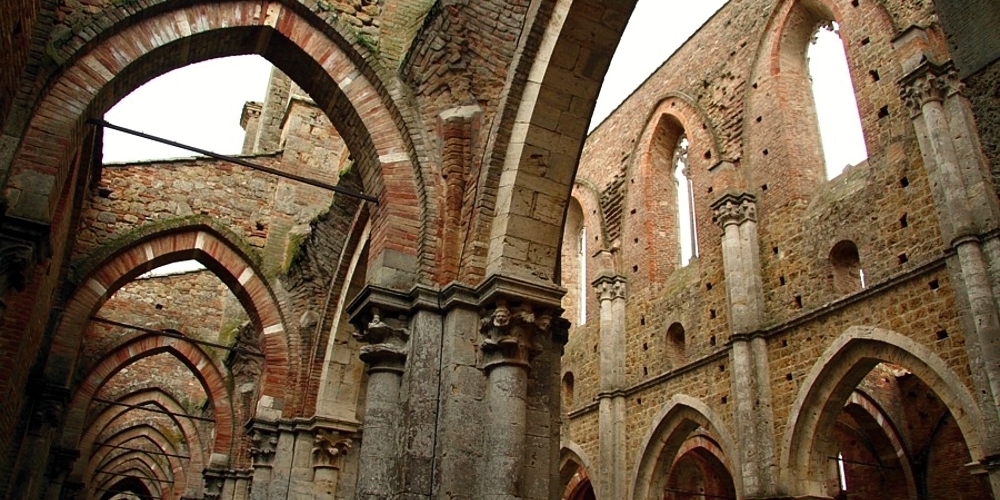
point(734, 209)
point(329, 448)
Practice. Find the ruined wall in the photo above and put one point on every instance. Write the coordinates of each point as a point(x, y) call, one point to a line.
point(727, 90)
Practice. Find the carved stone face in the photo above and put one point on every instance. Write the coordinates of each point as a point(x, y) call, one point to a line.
point(543, 322)
point(501, 316)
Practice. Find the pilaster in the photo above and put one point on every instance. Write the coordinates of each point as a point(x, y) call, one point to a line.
point(611, 481)
point(967, 209)
point(736, 214)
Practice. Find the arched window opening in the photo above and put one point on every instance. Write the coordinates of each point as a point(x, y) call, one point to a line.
point(567, 390)
point(675, 345)
point(846, 273)
point(573, 264)
point(842, 138)
point(582, 255)
point(688, 233)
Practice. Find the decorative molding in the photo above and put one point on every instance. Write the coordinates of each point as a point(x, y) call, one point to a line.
point(734, 209)
point(929, 82)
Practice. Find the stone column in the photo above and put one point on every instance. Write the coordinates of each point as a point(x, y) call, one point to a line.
point(263, 445)
point(328, 455)
point(611, 481)
point(385, 356)
point(942, 119)
point(737, 215)
point(508, 343)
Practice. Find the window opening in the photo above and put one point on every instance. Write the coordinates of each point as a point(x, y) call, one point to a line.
point(582, 256)
point(841, 474)
point(685, 203)
point(836, 106)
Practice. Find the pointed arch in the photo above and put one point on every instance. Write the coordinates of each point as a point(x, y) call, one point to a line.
point(123, 55)
point(201, 365)
point(830, 383)
point(654, 193)
point(204, 244)
point(539, 159)
point(666, 438)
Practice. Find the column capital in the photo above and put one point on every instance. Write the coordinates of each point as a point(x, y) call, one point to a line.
point(386, 338)
point(510, 334)
point(610, 287)
point(263, 444)
point(50, 403)
point(23, 244)
point(734, 209)
point(61, 460)
point(329, 448)
point(929, 82)
point(215, 480)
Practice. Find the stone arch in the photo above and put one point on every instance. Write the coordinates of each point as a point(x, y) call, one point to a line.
point(861, 406)
point(832, 379)
point(201, 365)
point(159, 399)
point(571, 459)
point(541, 156)
point(781, 143)
point(168, 467)
point(666, 438)
point(142, 487)
point(126, 54)
point(674, 117)
point(702, 452)
point(201, 243)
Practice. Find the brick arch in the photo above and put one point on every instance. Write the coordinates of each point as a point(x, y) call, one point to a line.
point(808, 442)
point(651, 204)
point(164, 401)
point(113, 459)
point(125, 55)
point(144, 476)
point(572, 459)
point(863, 409)
point(780, 95)
point(705, 452)
point(203, 368)
point(667, 437)
point(201, 243)
point(545, 142)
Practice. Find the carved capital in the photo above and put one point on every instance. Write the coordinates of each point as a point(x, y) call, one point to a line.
point(386, 338)
point(510, 334)
point(70, 490)
point(61, 461)
point(734, 209)
point(263, 446)
point(329, 448)
point(23, 244)
point(50, 403)
point(610, 288)
point(928, 83)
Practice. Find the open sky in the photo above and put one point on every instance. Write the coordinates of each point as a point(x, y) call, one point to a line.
point(200, 104)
